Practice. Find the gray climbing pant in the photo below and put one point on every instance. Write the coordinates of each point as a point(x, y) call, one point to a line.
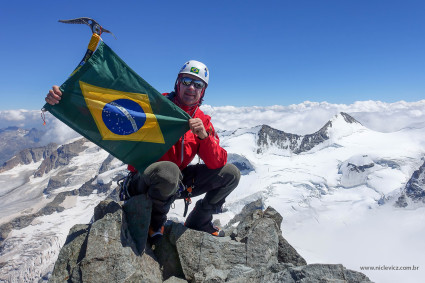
point(161, 182)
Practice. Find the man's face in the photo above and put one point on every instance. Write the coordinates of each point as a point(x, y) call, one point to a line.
point(189, 95)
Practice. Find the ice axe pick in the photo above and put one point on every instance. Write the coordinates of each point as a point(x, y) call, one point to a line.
point(96, 29)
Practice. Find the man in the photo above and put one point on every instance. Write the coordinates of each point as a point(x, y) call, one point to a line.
point(167, 179)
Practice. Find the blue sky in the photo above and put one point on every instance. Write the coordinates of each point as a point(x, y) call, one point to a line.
point(258, 52)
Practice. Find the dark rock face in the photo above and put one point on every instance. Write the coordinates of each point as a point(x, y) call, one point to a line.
point(61, 156)
point(349, 119)
point(297, 144)
point(106, 252)
point(415, 188)
point(240, 162)
point(401, 201)
point(106, 164)
point(29, 155)
point(14, 139)
point(361, 168)
point(267, 136)
point(52, 156)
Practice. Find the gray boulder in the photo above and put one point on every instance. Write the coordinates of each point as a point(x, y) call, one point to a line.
point(105, 251)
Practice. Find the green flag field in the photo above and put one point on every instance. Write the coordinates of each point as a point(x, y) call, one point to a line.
point(109, 104)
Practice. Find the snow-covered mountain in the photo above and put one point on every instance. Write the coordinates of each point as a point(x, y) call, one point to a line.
point(336, 190)
point(14, 139)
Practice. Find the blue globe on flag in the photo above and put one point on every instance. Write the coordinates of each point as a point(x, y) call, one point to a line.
point(123, 116)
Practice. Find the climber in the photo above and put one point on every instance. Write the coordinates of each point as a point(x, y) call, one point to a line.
point(172, 177)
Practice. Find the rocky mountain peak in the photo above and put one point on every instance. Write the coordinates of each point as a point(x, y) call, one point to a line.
point(28, 156)
point(51, 156)
point(256, 251)
point(349, 119)
point(415, 188)
point(14, 139)
point(355, 170)
point(340, 120)
point(269, 137)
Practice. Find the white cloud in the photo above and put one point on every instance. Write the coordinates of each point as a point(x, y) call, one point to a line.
point(308, 117)
point(58, 132)
point(19, 118)
point(303, 118)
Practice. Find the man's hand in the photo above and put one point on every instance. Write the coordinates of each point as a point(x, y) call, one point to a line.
point(54, 95)
point(197, 127)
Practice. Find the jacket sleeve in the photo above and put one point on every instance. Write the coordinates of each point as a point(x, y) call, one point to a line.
point(210, 150)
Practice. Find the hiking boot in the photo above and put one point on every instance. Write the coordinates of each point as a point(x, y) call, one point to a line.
point(200, 219)
point(160, 209)
point(211, 229)
point(155, 236)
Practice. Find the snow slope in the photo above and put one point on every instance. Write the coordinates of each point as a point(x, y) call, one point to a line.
point(331, 213)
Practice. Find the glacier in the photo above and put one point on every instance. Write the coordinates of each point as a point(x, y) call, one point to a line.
point(331, 214)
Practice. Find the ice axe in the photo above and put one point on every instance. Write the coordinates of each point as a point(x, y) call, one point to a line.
point(96, 29)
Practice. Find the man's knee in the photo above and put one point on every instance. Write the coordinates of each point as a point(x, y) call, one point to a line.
point(231, 175)
point(162, 178)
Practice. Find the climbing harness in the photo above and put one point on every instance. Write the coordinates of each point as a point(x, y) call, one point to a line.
point(124, 185)
point(185, 193)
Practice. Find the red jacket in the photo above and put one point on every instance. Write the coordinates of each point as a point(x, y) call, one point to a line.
point(208, 149)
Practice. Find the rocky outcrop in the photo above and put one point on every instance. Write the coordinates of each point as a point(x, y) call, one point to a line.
point(415, 188)
point(52, 156)
point(105, 251)
point(241, 162)
point(267, 137)
point(355, 170)
point(61, 156)
point(14, 139)
point(28, 156)
point(106, 164)
point(61, 179)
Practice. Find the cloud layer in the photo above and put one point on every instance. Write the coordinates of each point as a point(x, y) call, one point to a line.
point(308, 117)
point(303, 118)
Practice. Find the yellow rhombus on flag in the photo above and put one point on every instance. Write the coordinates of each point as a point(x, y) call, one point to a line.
point(122, 115)
point(109, 104)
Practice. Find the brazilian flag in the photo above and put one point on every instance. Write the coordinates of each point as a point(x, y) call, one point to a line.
point(109, 104)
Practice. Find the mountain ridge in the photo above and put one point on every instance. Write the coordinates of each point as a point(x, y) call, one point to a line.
point(258, 251)
point(13, 139)
point(297, 184)
point(297, 144)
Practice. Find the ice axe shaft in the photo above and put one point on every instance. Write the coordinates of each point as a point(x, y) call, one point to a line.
point(96, 29)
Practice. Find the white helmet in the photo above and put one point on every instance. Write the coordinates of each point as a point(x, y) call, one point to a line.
point(196, 69)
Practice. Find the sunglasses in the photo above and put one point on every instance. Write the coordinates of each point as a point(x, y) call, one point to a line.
point(196, 83)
